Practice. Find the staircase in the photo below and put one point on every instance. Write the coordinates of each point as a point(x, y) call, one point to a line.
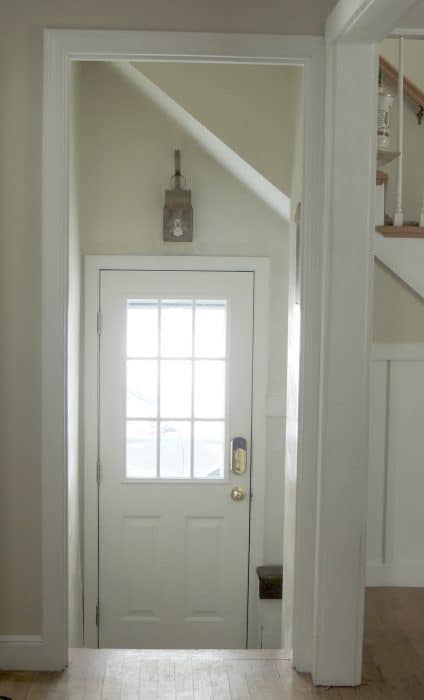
point(411, 95)
point(399, 247)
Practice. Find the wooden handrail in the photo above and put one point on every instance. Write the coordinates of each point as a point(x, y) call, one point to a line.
point(412, 91)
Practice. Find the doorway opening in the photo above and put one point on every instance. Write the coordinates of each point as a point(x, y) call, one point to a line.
point(244, 171)
point(62, 292)
point(175, 508)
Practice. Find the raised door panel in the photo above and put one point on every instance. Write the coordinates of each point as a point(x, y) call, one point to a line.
point(204, 569)
point(141, 594)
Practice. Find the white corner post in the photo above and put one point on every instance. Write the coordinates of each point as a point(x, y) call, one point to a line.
point(398, 217)
point(303, 386)
point(343, 454)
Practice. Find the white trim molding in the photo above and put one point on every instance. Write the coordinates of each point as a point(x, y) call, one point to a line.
point(94, 265)
point(61, 47)
point(21, 651)
point(400, 352)
point(352, 32)
point(365, 20)
point(404, 573)
point(343, 457)
point(20, 639)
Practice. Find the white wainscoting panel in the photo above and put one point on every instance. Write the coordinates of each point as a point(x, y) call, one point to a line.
point(395, 551)
point(377, 464)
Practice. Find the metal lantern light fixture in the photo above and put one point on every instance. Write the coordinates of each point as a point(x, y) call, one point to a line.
point(177, 212)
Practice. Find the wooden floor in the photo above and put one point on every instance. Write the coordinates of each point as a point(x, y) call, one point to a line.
point(393, 667)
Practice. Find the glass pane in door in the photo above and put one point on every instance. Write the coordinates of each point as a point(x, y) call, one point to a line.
point(176, 389)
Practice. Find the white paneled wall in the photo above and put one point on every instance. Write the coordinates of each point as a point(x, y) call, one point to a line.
point(396, 474)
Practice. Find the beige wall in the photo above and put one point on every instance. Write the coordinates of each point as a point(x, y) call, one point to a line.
point(398, 311)
point(413, 57)
point(126, 158)
point(233, 101)
point(21, 25)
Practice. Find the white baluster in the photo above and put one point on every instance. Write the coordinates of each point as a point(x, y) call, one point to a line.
point(398, 217)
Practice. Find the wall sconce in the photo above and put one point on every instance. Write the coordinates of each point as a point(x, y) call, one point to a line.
point(178, 212)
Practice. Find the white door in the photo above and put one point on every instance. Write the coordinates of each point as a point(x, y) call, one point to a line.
point(175, 388)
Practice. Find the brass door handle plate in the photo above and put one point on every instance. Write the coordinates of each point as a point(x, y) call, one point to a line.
point(238, 493)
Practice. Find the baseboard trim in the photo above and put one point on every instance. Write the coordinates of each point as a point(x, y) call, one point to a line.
point(397, 352)
point(20, 639)
point(399, 574)
point(24, 653)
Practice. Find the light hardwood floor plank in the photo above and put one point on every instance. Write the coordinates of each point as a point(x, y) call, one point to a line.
point(393, 667)
point(202, 686)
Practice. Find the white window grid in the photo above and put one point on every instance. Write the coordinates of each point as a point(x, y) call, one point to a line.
point(193, 302)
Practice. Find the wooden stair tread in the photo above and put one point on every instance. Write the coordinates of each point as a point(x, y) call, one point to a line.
point(401, 231)
point(385, 157)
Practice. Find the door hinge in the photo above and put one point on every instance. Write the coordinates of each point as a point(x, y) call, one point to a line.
point(98, 472)
point(99, 322)
point(97, 615)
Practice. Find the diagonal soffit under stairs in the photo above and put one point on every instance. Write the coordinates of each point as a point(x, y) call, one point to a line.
point(226, 156)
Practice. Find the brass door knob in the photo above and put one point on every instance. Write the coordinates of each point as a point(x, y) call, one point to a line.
point(238, 493)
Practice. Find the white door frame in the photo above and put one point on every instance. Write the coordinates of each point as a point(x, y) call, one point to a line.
point(93, 266)
point(60, 49)
point(324, 638)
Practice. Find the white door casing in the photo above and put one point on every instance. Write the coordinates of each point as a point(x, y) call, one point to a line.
point(94, 266)
point(61, 47)
point(173, 544)
point(363, 21)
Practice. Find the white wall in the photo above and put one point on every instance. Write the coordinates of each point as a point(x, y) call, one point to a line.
point(125, 160)
point(414, 18)
point(21, 54)
point(395, 552)
point(398, 311)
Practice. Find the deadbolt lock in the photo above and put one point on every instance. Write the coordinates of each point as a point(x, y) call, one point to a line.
point(238, 455)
